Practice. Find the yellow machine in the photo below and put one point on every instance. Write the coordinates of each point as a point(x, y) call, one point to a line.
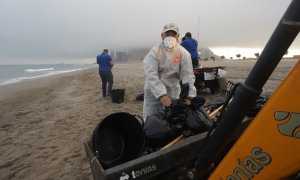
point(265, 147)
point(270, 146)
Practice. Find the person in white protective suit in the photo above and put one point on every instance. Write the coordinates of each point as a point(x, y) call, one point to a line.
point(165, 65)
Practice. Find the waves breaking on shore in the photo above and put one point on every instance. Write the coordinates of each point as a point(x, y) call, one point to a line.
point(16, 73)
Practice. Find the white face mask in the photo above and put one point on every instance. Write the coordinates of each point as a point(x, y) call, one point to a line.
point(170, 42)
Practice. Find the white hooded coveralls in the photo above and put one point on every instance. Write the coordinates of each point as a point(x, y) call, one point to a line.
point(163, 72)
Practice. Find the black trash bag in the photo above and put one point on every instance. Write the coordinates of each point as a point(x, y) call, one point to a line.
point(168, 123)
point(197, 102)
point(158, 131)
point(164, 126)
point(197, 120)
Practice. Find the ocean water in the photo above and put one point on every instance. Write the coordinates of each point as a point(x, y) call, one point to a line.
point(16, 73)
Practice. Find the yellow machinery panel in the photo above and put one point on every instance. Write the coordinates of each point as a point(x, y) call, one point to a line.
point(270, 146)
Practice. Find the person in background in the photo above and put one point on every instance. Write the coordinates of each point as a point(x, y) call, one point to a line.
point(191, 45)
point(105, 65)
point(165, 65)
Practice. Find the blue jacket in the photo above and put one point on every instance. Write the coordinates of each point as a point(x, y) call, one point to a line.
point(104, 62)
point(191, 45)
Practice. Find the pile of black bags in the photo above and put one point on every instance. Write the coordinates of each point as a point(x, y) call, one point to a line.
point(179, 118)
point(121, 137)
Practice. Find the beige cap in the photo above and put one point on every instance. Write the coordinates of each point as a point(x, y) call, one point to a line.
point(171, 27)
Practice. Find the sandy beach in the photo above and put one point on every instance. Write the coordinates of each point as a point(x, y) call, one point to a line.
point(44, 122)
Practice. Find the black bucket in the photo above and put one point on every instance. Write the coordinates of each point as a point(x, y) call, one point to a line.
point(117, 139)
point(117, 95)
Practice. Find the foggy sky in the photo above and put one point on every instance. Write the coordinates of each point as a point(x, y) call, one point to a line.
point(64, 30)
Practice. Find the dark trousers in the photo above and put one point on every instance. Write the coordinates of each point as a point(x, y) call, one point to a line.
point(106, 77)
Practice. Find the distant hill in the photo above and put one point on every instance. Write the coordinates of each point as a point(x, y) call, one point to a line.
point(207, 53)
point(137, 54)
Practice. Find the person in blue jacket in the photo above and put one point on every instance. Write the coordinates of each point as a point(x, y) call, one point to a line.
point(191, 45)
point(105, 65)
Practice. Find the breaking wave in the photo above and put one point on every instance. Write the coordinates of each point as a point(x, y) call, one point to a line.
point(38, 70)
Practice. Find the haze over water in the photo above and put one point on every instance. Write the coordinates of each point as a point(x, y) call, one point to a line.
point(73, 31)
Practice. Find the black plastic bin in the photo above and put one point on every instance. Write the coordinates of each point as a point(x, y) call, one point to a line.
point(118, 138)
point(117, 95)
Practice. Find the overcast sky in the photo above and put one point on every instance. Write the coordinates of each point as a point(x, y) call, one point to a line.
point(41, 31)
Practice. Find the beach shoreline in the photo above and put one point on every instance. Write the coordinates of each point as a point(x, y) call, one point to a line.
point(44, 122)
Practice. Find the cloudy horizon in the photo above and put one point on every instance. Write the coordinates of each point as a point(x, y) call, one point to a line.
point(63, 30)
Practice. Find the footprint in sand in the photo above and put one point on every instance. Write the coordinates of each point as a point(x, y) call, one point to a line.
point(23, 113)
point(5, 126)
point(72, 157)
